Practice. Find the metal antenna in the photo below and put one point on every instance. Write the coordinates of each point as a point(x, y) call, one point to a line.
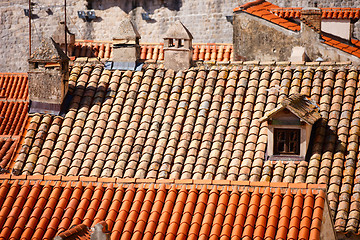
point(29, 28)
point(65, 29)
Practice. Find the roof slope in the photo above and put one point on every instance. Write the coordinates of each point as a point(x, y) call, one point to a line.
point(200, 124)
point(14, 105)
point(40, 210)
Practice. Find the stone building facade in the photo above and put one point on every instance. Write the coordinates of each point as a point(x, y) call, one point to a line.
point(206, 20)
point(256, 37)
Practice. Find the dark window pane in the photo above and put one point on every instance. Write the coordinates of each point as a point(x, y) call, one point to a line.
point(287, 141)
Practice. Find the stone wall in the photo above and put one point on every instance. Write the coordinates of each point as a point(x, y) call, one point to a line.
point(266, 41)
point(206, 19)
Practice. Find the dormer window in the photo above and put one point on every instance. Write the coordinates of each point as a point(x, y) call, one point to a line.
point(289, 128)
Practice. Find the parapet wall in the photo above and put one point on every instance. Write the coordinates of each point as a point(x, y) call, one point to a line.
point(206, 19)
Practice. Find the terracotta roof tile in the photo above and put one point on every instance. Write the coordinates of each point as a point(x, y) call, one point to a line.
point(327, 13)
point(154, 51)
point(14, 105)
point(141, 212)
point(263, 9)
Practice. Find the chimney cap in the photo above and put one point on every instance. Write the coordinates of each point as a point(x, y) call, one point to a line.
point(48, 51)
point(178, 31)
point(58, 35)
point(126, 31)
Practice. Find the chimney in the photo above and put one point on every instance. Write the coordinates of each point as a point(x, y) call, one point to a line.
point(59, 38)
point(178, 47)
point(126, 48)
point(312, 18)
point(48, 78)
point(100, 231)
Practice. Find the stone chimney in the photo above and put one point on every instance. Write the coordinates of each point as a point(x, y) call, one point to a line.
point(59, 38)
point(48, 78)
point(178, 47)
point(126, 48)
point(312, 18)
point(100, 231)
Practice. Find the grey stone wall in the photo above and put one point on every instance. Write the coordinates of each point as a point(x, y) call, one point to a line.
point(265, 41)
point(206, 19)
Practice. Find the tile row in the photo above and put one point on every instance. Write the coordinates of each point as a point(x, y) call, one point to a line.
point(14, 86)
point(13, 115)
point(327, 13)
point(202, 52)
point(7, 149)
point(34, 210)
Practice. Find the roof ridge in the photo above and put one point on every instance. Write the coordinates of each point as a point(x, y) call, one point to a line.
point(251, 4)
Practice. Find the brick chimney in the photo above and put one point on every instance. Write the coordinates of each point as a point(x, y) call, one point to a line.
point(178, 47)
point(312, 18)
point(48, 78)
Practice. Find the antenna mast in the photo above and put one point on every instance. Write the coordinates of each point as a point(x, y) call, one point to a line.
point(66, 52)
point(29, 28)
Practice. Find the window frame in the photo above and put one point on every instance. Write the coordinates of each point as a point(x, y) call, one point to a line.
point(286, 142)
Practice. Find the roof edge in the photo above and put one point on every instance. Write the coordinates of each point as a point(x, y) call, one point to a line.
point(247, 5)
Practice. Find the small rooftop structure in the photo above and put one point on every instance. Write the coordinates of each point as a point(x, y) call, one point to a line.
point(178, 31)
point(126, 32)
point(178, 47)
point(48, 51)
point(48, 78)
point(126, 48)
point(290, 125)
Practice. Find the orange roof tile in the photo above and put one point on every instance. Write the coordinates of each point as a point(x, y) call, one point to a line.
point(154, 51)
point(262, 8)
point(14, 105)
point(352, 48)
point(327, 13)
point(150, 211)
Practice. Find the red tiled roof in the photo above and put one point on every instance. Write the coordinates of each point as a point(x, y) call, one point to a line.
point(262, 9)
point(327, 13)
point(40, 210)
point(352, 48)
point(13, 86)
point(13, 115)
point(200, 124)
point(154, 52)
point(14, 105)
